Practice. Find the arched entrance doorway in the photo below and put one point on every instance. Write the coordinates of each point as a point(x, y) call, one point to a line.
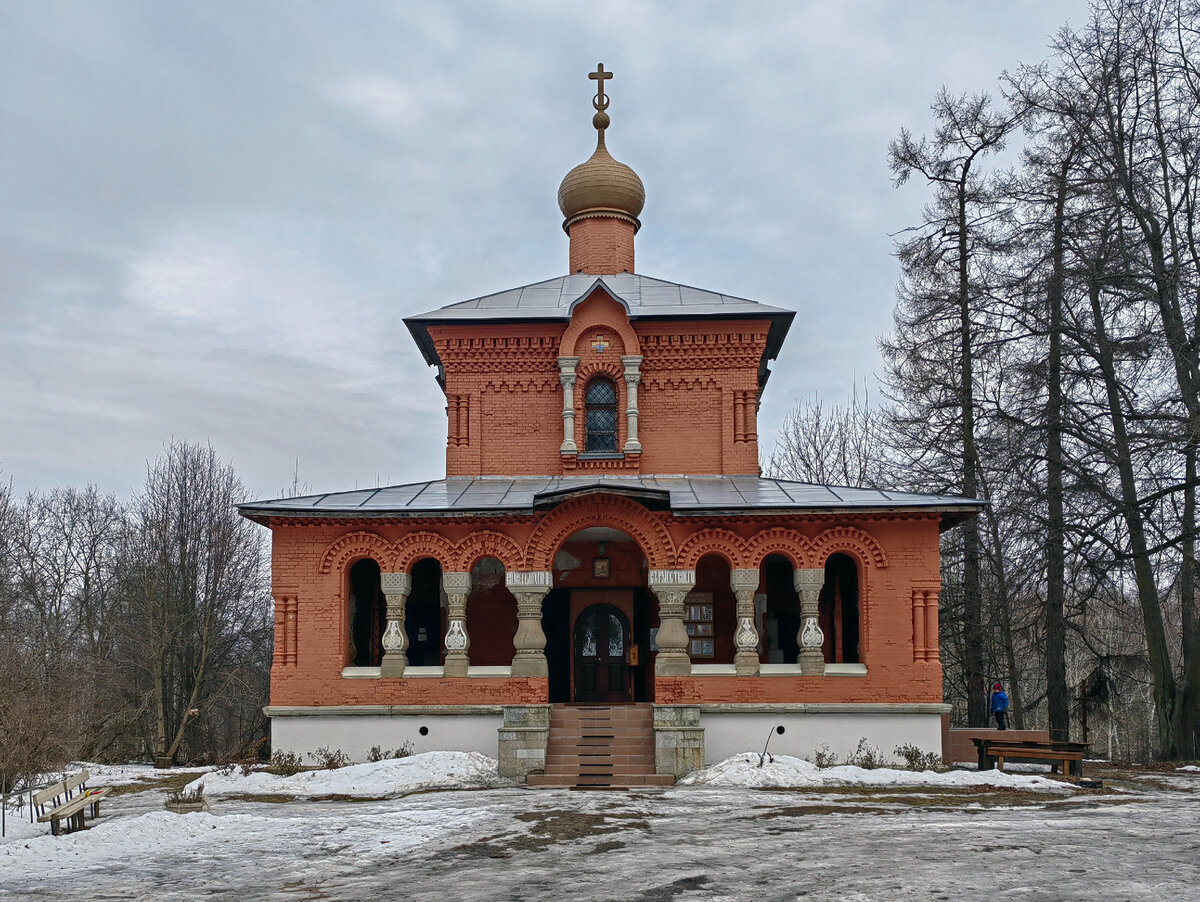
point(600, 569)
point(601, 646)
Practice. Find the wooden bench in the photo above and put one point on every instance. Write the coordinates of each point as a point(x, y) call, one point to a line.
point(1063, 757)
point(68, 800)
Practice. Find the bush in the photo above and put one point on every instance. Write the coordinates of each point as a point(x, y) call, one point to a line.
point(915, 759)
point(284, 764)
point(183, 797)
point(378, 753)
point(865, 756)
point(825, 758)
point(329, 759)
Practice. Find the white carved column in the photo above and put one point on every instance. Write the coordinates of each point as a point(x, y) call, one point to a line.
point(456, 586)
point(529, 587)
point(744, 584)
point(671, 587)
point(396, 587)
point(633, 375)
point(808, 585)
point(566, 375)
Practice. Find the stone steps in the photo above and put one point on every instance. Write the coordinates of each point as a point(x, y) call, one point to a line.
point(601, 747)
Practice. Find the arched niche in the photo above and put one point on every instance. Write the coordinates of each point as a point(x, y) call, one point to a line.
point(366, 614)
point(840, 617)
point(424, 619)
point(491, 615)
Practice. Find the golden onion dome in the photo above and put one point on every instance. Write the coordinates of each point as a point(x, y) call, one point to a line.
point(601, 186)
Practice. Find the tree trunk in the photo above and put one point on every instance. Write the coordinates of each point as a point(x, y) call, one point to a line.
point(1156, 641)
point(976, 680)
point(1057, 695)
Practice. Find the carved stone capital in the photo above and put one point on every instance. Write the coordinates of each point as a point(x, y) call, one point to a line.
point(395, 583)
point(529, 580)
point(809, 580)
point(744, 580)
point(456, 583)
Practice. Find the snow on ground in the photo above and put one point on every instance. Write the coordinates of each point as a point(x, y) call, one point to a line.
point(1190, 768)
point(375, 780)
point(703, 842)
point(786, 772)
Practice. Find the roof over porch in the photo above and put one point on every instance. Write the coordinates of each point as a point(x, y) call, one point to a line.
point(682, 495)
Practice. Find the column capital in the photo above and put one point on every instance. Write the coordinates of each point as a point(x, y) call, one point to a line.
point(395, 583)
point(566, 365)
point(671, 579)
point(744, 580)
point(529, 580)
point(809, 580)
point(456, 582)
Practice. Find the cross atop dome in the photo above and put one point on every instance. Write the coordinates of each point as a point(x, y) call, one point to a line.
point(601, 200)
point(600, 101)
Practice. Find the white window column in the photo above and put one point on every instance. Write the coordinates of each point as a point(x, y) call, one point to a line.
point(633, 375)
point(671, 587)
point(529, 587)
point(566, 375)
point(811, 638)
point(396, 588)
point(744, 584)
point(457, 587)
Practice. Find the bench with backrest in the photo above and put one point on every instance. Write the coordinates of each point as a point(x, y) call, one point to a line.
point(68, 800)
point(1063, 757)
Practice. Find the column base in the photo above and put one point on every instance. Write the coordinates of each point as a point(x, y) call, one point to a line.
point(672, 664)
point(812, 663)
point(393, 665)
point(533, 665)
point(456, 666)
point(745, 663)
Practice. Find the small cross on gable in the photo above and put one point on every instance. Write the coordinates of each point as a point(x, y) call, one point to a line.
point(600, 344)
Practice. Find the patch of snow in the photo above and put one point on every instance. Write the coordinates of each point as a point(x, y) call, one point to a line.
point(374, 780)
point(1190, 768)
point(786, 772)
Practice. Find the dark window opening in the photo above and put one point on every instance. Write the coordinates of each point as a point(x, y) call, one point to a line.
point(367, 615)
point(601, 410)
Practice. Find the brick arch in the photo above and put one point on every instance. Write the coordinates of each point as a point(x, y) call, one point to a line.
point(728, 545)
point(590, 370)
point(790, 543)
point(488, 543)
point(416, 545)
point(848, 539)
point(599, 310)
point(599, 510)
point(354, 545)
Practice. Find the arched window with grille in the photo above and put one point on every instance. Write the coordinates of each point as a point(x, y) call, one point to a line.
point(601, 416)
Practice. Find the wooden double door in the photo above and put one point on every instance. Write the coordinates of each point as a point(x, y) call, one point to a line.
point(602, 651)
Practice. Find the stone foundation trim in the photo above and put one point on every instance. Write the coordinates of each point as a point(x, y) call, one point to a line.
point(523, 740)
point(828, 708)
point(859, 670)
point(678, 740)
point(473, 672)
point(379, 710)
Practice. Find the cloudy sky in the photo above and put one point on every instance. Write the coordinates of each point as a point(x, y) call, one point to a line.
point(213, 215)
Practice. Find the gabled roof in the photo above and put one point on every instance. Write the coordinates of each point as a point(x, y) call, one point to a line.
point(641, 296)
point(682, 495)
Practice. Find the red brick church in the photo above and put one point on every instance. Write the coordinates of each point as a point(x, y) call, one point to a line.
point(603, 557)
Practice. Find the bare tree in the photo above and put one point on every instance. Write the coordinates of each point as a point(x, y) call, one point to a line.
point(196, 604)
point(831, 445)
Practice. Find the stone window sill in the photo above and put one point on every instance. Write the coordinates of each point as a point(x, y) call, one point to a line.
point(778, 670)
point(374, 673)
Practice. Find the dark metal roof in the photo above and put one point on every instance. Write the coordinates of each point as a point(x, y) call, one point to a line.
point(683, 495)
point(641, 296)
